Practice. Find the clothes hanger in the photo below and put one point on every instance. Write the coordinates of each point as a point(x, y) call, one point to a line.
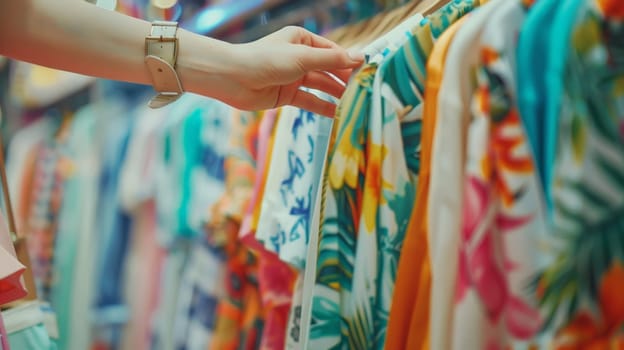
point(378, 26)
point(341, 35)
point(411, 9)
point(354, 34)
point(351, 34)
point(388, 21)
point(434, 6)
point(383, 41)
point(336, 34)
point(407, 13)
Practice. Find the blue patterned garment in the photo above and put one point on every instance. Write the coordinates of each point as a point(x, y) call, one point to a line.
point(113, 234)
point(292, 183)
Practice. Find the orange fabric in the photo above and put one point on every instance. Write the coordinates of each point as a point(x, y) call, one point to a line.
point(265, 174)
point(25, 192)
point(408, 326)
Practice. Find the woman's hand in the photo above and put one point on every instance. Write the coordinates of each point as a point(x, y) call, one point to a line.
point(278, 65)
point(271, 71)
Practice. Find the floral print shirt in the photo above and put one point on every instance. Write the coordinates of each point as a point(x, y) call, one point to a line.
point(502, 222)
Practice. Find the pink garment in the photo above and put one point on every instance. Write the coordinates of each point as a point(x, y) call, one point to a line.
point(4, 340)
point(277, 283)
point(145, 264)
point(276, 278)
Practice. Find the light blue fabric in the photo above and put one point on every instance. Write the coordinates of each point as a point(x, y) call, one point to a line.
point(32, 338)
point(31, 326)
point(532, 59)
point(74, 263)
point(113, 233)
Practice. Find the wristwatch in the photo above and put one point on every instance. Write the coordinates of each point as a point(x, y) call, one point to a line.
point(161, 54)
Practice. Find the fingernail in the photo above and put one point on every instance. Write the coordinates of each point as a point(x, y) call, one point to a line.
point(356, 56)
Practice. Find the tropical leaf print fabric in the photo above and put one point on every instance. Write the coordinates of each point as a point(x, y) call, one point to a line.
point(341, 211)
point(370, 183)
point(397, 110)
point(580, 293)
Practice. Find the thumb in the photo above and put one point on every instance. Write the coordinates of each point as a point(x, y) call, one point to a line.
point(327, 59)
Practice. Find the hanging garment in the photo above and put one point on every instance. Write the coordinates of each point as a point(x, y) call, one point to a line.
point(11, 270)
point(275, 277)
point(191, 174)
point(200, 292)
point(418, 334)
point(292, 184)
point(239, 321)
point(75, 247)
point(113, 231)
point(199, 295)
point(143, 273)
point(299, 323)
point(331, 323)
point(239, 314)
point(562, 28)
point(4, 338)
point(175, 262)
point(292, 340)
point(399, 300)
point(276, 282)
point(137, 183)
point(136, 194)
point(340, 215)
point(266, 136)
point(240, 166)
point(45, 194)
point(579, 291)
point(267, 231)
point(20, 163)
point(502, 223)
point(444, 201)
point(533, 93)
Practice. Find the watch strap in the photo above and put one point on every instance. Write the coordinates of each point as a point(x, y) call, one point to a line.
point(161, 51)
point(165, 80)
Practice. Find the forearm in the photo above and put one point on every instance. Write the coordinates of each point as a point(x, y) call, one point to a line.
point(76, 36)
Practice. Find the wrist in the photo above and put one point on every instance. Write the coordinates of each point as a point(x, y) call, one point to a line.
point(205, 65)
